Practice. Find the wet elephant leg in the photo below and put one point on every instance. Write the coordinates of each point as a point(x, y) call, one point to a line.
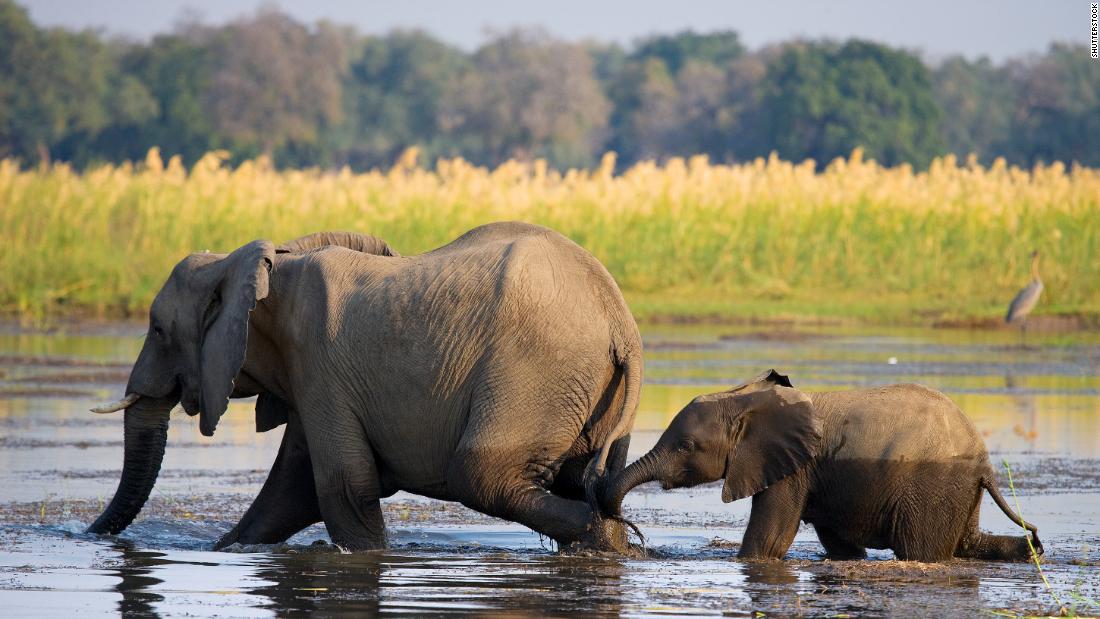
point(288, 501)
point(978, 545)
point(512, 495)
point(346, 476)
point(773, 521)
point(927, 525)
point(836, 547)
point(506, 470)
point(569, 482)
point(989, 547)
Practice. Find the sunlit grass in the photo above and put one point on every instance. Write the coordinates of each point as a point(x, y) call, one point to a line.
point(764, 238)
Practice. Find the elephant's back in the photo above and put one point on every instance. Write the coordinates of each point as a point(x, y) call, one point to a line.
point(905, 422)
point(535, 274)
point(499, 231)
point(894, 457)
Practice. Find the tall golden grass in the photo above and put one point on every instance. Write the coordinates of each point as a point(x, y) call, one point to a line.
point(686, 236)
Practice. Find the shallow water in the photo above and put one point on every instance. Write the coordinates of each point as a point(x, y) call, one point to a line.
point(1038, 408)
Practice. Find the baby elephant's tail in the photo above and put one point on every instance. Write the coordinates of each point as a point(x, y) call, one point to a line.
point(987, 483)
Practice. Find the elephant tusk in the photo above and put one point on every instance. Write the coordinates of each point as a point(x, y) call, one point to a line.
point(117, 406)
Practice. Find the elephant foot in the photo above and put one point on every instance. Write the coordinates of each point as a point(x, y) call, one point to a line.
point(230, 538)
point(607, 536)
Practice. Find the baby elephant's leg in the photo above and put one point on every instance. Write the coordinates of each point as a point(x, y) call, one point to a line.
point(774, 519)
point(978, 545)
point(836, 547)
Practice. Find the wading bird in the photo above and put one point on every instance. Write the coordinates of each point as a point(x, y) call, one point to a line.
point(1026, 299)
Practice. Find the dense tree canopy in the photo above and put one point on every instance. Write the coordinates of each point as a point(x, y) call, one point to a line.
point(526, 96)
point(822, 100)
point(394, 97)
point(325, 95)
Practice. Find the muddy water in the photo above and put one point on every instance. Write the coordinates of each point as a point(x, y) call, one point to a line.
point(1037, 406)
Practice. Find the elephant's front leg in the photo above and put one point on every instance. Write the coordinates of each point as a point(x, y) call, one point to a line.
point(346, 475)
point(773, 521)
point(288, 501)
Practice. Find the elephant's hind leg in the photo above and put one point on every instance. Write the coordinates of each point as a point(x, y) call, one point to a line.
point(288, 501)
point(510, 456)
point(927, 525)
point(346, 475)
point(569, 482)
point(480, 480)
point(978, 545)
point(989, 547)
point(836, 547)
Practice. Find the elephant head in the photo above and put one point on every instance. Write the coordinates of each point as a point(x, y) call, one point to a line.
point(193, 350)
point(193, 353)
point(751, 436)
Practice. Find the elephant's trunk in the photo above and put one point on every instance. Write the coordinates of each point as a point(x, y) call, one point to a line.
point(642, 470)
point(146, 423)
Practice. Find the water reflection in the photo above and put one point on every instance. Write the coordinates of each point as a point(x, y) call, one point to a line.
point(892, 589)
point(769, 573)
point(1025, 407)
point(136, 579)
point(374, 582)
point(310, 583)
point(504, 581)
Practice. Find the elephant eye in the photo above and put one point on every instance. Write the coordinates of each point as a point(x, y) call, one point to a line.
point(158, 332)
point(687, 445)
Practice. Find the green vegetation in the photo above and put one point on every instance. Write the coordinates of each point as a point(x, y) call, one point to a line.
point(765, 239)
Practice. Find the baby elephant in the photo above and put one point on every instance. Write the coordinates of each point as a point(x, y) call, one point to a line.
point(898, 467)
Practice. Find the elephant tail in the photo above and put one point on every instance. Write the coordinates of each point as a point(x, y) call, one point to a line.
point(987, 483)
point(631, 364)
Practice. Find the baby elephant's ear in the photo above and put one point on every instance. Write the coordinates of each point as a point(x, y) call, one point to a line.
point(762, 381)
point(775, 434)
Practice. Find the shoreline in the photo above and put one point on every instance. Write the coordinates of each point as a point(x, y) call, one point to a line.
point(90, 323)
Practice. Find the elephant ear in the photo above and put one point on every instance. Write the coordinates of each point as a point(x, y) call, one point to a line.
point(775, 433)
point(244, 281)
point(764, 380)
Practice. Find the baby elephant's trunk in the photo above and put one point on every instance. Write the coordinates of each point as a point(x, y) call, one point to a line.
point(641, 471)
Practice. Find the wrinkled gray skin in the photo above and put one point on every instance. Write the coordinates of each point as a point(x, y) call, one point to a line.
point(490, 371)
point(898, 467)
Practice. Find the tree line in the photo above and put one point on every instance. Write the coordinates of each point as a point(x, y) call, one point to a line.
point(326, 95)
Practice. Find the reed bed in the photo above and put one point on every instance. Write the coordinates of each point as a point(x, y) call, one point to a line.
point(685, 237)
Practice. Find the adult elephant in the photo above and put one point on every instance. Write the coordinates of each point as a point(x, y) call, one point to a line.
point(898, 467)
point(491, 371)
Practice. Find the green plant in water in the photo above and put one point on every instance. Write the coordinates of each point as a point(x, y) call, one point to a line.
point(1062, 610)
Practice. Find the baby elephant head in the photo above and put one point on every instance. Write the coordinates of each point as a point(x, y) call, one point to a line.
point(752, 437)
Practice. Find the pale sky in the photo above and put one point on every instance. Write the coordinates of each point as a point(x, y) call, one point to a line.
point(935, 27)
